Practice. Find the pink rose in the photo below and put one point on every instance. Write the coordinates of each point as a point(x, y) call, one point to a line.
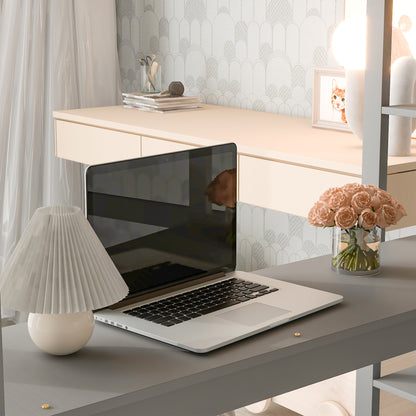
point(327, 194)
point(386, 215)
point(222, 189)
point(383, 196)
point(371, 189)
point(325, 215)
point(400, 211)
point(313, 216)
point(352, 188)
point(339, 199)
point(320, 215)
point(375, 202)
point(345, 218)
point(367, 219)
point(360, 201)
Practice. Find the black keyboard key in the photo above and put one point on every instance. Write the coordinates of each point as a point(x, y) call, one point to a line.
point(252, 286)
point(160, 320)
point(146, 316)
point(218, 307)
point(175, 320)
point(167, 323)
point(155, 318)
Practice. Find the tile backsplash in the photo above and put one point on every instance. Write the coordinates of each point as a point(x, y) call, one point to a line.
point(266, 238)
point(255, 54)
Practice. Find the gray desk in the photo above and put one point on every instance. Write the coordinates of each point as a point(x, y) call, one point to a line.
point(119, 373)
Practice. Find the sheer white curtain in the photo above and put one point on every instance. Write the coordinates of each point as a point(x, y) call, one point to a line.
point(54, 55)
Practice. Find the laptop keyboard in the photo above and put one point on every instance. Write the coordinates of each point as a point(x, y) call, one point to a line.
point(198, 302)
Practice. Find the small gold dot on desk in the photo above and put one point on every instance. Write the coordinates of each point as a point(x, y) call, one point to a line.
point(45, 406)
point(297, 334)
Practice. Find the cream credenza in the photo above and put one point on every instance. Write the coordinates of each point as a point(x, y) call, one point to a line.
point(284, 163)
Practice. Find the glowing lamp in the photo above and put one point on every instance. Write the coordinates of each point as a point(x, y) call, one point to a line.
point(349, 42)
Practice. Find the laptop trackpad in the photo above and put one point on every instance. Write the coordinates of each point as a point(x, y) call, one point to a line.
point(252, 314)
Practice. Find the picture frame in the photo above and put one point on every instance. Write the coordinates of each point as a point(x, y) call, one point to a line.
point(328, 104)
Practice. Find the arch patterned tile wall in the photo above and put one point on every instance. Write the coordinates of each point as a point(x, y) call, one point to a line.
point(254, 54)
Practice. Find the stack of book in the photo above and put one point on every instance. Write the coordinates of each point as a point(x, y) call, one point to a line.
point(160, 103)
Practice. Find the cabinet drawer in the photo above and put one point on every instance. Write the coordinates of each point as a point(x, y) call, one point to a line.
point(92, 145)
point(284, 187)
point(152, 146)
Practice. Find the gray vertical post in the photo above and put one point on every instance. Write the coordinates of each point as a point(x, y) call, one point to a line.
point(377, 92)
point(2, 407)
point(367, 398)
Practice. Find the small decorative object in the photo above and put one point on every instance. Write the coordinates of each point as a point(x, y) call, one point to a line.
point(357, 213)
point(150, 75)
point(331, 408)
point(328, 107)
point(60, 272)
point(259, 407)
point(176, 89)
point(402, 91)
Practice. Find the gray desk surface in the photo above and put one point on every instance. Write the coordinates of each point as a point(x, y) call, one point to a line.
point(123, 373)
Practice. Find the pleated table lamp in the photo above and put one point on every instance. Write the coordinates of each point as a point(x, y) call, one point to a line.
point(60, 272)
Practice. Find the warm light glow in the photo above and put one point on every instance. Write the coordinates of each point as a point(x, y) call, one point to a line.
point(349, 43)
point(404, 18)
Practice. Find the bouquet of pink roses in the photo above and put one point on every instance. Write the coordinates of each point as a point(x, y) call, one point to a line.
point(352, 205)
point(358, 210)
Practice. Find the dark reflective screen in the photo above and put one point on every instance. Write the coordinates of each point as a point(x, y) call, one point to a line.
point(166, 218)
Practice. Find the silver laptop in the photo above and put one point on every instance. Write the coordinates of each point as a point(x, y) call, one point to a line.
point(169, 224)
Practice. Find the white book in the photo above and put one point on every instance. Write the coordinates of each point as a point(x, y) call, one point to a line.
point(158, 98)
point(156, 110)
point(164, 106)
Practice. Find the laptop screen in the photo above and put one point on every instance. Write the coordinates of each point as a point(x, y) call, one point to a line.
point(167, 218)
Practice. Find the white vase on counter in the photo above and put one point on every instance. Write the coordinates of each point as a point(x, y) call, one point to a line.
point(402, 91)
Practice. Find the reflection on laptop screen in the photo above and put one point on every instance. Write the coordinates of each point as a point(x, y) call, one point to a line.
point(167, 218)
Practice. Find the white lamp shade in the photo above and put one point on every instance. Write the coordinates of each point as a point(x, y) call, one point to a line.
point(349, 42)
point(60, 266)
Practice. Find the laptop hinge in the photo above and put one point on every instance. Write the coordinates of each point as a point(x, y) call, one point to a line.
point(166, 290)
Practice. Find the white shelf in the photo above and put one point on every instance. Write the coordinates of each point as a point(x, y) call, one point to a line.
point(402, 384)
point(400, 110)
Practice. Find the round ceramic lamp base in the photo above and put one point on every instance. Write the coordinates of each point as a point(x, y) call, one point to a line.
point(61, 334)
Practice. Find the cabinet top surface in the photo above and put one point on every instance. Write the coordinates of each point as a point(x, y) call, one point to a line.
point(116, 364)
point(265, 135)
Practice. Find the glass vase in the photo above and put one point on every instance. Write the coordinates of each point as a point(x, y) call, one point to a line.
point(355, 251)
point(150, 78)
